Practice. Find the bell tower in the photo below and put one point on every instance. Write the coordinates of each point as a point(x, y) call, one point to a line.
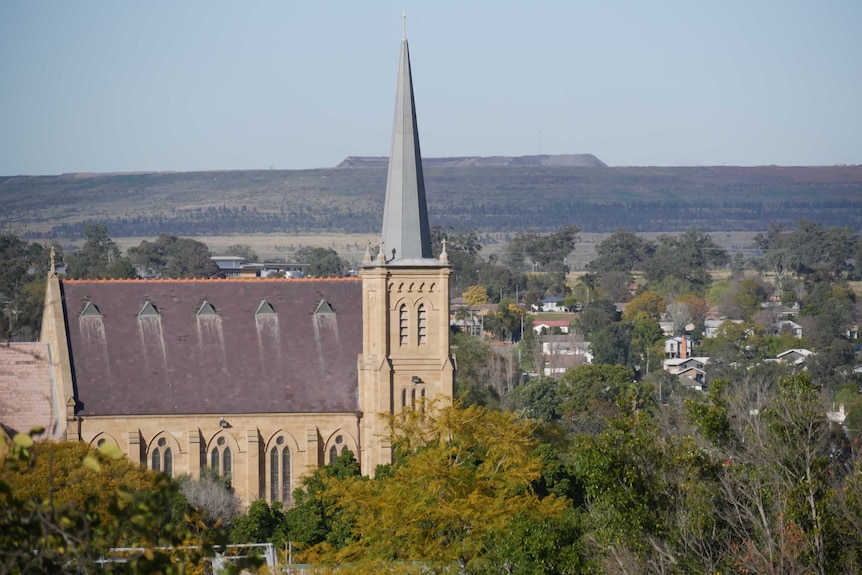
point(405, 358)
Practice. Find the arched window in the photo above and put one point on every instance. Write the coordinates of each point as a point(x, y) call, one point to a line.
point(221, 457)
point(279, 472)
point(162, 458)
point(333, 454)
point(402, 324)
point(413, 398)
point(422, 320)
point(403, 398)
point(227, 462)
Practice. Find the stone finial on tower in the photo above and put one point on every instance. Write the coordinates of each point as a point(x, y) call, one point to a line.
point(366, 258)
point(444, 256)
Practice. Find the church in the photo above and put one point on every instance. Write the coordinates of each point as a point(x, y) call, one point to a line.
point(263, 380)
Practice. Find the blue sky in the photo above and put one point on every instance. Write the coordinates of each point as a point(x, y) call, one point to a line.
point(104, 86)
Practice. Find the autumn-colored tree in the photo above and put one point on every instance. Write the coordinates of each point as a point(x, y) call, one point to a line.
point(65, 506)
point(461, 476)
point(648, 302)
point(475, 295)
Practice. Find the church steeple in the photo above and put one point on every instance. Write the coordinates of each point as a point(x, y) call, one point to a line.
point(406, 234)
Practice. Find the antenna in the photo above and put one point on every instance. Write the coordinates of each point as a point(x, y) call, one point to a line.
point(403, 23)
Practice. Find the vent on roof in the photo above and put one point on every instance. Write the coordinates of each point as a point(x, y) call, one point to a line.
point(148, 310)
point(323, 308)
point(265, 308)
point(90, 310)
point(207, 310)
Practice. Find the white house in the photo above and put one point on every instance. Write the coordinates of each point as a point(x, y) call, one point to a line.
point(679, 346)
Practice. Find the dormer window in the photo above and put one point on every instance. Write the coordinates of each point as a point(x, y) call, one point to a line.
point(90, 310)
point(149, 310)
point(324, 308)
point(265, 309)
point(207, 310)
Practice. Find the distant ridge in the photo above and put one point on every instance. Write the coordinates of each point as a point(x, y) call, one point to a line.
point(560, 160)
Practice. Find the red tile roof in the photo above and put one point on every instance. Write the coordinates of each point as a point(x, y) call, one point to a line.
point(234, 362)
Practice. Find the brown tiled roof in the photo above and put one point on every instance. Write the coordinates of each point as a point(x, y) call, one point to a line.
point(177, 362)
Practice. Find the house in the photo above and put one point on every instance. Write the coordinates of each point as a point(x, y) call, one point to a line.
point(563, 352)
point(693, 378)
point(548, 325)
point(711, 325)
point(678, 365)
point(549, 304)
point(679, 346)
point(261, 381)
point(557, 365)
point(794, 356)
point(788, 326)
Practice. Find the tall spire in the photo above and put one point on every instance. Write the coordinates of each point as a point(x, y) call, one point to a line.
point(406, 232)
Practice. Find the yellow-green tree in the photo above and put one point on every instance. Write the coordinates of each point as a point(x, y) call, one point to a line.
point(475, 295)
point(461, 476)
point(648, 302)
point(64, 506)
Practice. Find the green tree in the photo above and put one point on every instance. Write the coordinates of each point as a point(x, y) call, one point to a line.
point(98, 258)
point(536, 399)
point(243, 251)
point(598, 315)
point(262, 523)
point(173, 257)
point(323, 262)
point(622, 251)
point(580, 388)
point(315, 518)
point(545, 252)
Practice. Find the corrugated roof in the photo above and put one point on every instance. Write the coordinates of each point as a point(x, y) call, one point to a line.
point(236, 360)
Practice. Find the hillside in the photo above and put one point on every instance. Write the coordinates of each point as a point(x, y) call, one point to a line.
point(487, 194)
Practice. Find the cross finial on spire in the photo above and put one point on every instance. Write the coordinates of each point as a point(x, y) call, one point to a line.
point(403, 23)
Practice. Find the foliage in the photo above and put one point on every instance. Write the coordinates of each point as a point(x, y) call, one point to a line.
point(315, 519)
point(599, 314)
point(173, 257)
point(262, 523)
point(809, 250)
point(622, 251)
point(461, 476)
point(475, 295)
point(685, 258)
point(212, 497)
point(648, 302)
point(482, 376)
point(244, 251)
point(584, 386)
point(323, 262)
point(21, 293)
point(536, 399)
point(545, 252)
point(65, 506)
point(98, 258)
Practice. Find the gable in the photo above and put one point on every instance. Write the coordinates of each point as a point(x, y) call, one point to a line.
point(221, 346)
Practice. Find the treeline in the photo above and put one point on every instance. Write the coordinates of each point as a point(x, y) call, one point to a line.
point(488, 215)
